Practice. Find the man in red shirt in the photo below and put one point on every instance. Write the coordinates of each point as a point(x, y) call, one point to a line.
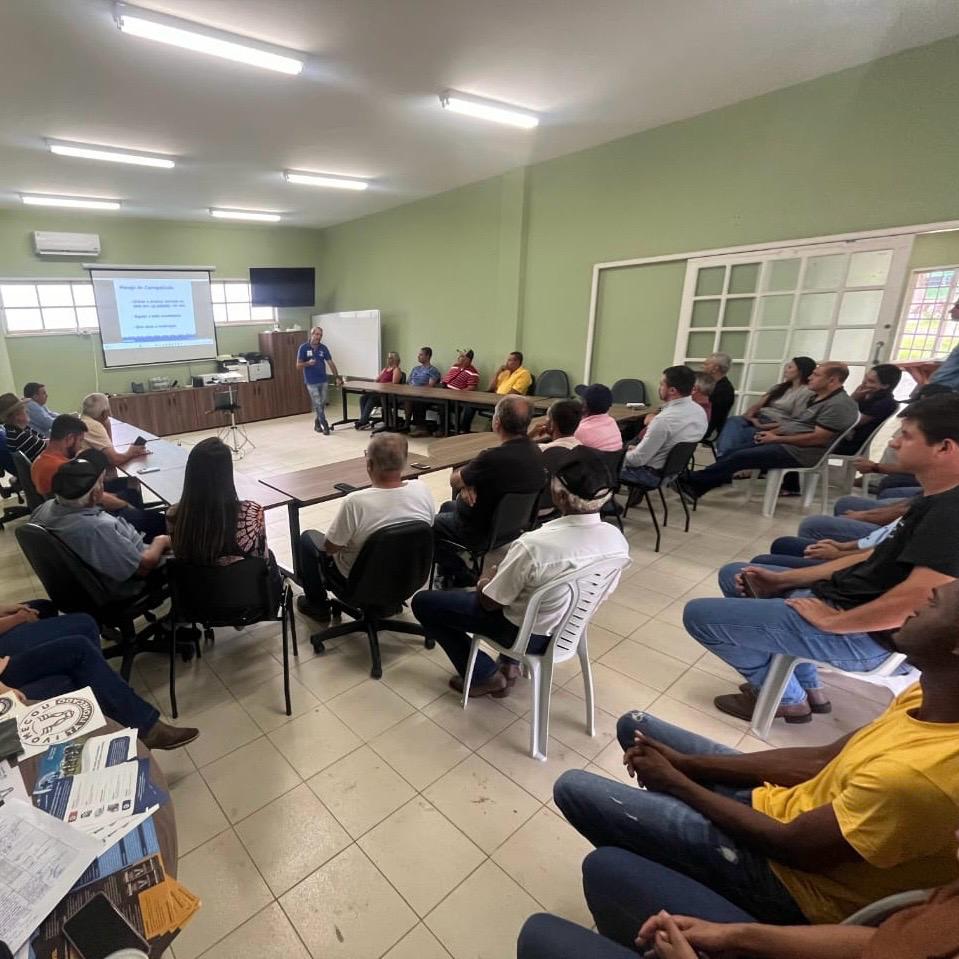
point(463, 376)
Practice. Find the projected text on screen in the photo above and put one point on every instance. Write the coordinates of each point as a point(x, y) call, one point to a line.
point(155, 313)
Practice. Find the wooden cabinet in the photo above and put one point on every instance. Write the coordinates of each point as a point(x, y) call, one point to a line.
point(187, 409)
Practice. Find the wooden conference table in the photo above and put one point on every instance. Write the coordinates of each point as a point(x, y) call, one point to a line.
point(317, 484)
point(449, 401)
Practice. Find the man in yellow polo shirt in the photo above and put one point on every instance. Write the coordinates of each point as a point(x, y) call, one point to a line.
point(785, 836)
point(511, 377)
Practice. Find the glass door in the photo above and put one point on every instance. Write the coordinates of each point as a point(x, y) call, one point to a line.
point(834, 301)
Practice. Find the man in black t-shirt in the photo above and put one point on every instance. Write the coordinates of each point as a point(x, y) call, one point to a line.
point(515, 466)
point(842, 612)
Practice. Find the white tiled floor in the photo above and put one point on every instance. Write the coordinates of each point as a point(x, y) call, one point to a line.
point(382, 819)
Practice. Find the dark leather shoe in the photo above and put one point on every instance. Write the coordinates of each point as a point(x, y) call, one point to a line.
point(818, 703)
point(320, 613)
point(741, 706)
point(164, 736)
point(495, 687)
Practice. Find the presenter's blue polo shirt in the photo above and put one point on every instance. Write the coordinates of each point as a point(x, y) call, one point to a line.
point(314, 375)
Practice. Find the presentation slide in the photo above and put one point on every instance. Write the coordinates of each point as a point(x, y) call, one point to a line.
point(154, 316)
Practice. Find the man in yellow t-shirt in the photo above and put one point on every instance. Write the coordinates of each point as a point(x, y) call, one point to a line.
point(511, 377)
point(786, 836)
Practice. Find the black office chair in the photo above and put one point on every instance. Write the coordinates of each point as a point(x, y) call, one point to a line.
point(10, 489)
point(553, 383)
point(629, 391)
point(238, 594)
point(612, 510)
point(514, 514)
point(75, 587)
point(393, 564)
point(676, 464)
point(25, 480)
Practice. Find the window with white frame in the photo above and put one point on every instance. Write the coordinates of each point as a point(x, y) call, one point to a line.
point(927, 331)
point(68, 306)
point(48, 307)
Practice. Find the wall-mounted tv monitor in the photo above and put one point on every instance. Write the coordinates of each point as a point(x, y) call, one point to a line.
point(282, 286)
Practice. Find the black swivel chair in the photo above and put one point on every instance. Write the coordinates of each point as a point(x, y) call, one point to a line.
point(393, 564)
point(237, 594)
point(676, 463)
point(553, 383)
point(628, 391)
point(514, 514)
point(22, 466)
point(8, 467)
point(75, 587)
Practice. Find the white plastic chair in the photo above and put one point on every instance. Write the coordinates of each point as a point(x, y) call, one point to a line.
point(848, 474)
point(781, 669)
point(585, 589)
point(879, 911)
point(809, 477)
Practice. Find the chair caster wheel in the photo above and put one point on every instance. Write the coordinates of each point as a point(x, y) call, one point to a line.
point(376, 673)
point(318, 646)
point(429, 644)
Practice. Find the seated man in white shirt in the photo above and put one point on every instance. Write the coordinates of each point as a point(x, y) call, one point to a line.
point(326, 559)
point(681, 420)
point(581, 487)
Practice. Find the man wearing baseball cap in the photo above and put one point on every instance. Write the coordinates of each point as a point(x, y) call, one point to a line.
point(104, 541)
point(21, 438)
point(581, 486)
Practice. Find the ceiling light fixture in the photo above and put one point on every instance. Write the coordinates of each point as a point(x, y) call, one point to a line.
point(324, 179)
point(109, 154)
point(216, 43)
point(245, 215)
point(76, 202)
point(488, 110)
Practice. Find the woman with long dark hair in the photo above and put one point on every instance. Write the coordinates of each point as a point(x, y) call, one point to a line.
point(211, 526)
point(784, 400)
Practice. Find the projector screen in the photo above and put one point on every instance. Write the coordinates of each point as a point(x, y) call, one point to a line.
point(154, 316)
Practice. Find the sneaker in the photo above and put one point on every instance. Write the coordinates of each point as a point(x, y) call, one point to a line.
point(164, 736)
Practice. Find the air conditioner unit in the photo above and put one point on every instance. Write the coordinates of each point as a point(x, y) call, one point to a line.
point(47, 243)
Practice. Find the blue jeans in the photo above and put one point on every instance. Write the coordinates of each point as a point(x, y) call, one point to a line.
point(666, 831)
point(771, 457)
point(318, 393)
point(448, 616)
point(28, 636)
point(898, 492)
point(67, 663)
point(737, 434)
point(747, 633)
point(838, 528)
point(640, 476)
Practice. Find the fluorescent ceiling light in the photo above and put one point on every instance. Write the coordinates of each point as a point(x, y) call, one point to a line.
point(193, 36)
point(77, 202)
point(245, 215)
point(111, 155)
point(323, 179)
point(488, 110)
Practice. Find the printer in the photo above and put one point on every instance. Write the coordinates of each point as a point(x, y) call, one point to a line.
point(258, 365)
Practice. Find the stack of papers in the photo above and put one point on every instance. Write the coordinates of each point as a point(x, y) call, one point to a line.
point(89, 830)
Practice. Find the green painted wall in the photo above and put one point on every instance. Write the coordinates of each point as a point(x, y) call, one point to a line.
point(866, 148)
point(72, 365)
point(507, 262)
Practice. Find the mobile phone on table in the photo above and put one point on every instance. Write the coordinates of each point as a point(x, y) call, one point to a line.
point(420, 466)
point(140, 441)
point(345, 487)
point(99, 929)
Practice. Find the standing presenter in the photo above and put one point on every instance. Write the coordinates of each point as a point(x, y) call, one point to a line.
point(313, 357)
